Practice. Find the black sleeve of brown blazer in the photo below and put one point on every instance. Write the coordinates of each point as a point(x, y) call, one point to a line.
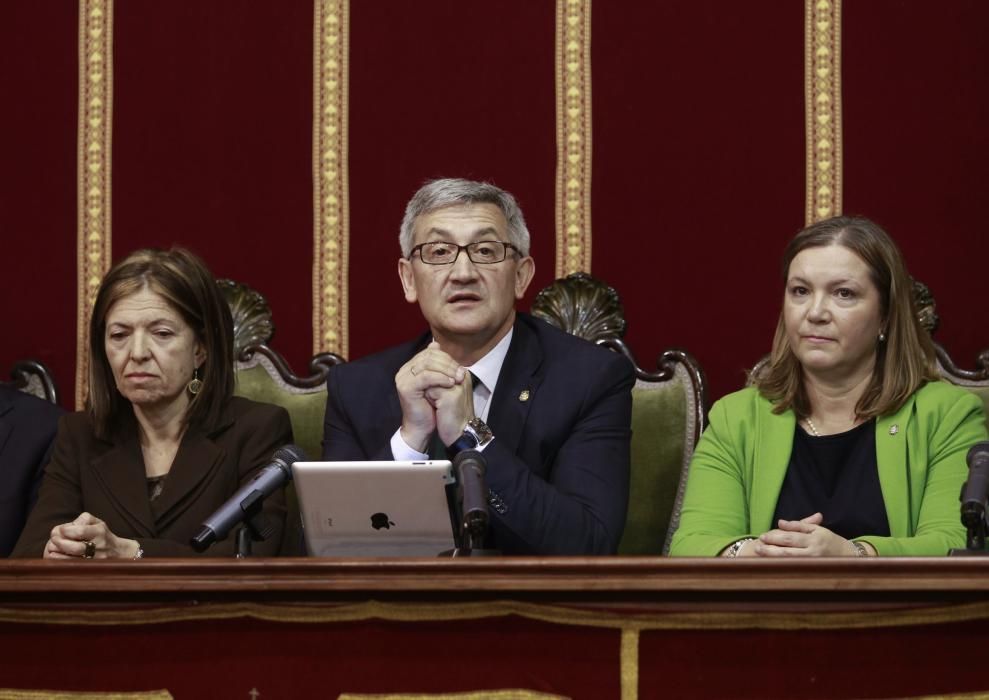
point(73, 483)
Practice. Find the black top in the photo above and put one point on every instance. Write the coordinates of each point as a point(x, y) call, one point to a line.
point(838, 476)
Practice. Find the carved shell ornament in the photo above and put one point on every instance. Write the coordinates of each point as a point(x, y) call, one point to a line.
point(251, 315)
point(582, 306)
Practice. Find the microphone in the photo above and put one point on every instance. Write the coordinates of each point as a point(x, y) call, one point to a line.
point(470, 466)
point(976, 488)
point(249, 497)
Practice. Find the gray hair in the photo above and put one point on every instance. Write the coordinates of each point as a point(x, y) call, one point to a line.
point(448, 192)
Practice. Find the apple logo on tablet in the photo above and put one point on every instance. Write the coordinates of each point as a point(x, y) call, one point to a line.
point(380, 520)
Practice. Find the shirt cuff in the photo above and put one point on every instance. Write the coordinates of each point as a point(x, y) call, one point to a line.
point(402, 452)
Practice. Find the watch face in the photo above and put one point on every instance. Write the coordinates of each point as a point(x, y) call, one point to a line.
point(481, 431)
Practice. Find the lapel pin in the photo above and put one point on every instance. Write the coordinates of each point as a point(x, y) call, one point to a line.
point(894, 429)
point(524, 395)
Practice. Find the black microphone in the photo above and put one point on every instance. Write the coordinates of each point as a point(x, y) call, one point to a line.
point(470, 466)
point(247, 501)
point(976, 488)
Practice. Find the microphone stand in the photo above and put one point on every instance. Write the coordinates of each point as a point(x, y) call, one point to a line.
point(471, 506)
point(255, 527)
point(975, 542)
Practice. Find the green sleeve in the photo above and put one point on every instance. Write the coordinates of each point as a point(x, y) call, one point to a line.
point(715, 510)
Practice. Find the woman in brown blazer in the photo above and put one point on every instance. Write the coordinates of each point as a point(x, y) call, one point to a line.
point(163, 442)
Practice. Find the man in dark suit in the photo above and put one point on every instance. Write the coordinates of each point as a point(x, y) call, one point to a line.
point(550, 412)
point(27, 429)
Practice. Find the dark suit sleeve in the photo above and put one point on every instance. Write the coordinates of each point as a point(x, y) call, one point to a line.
point(580, 508)
point(258, 435)
point(59, 498)
point(341, 440)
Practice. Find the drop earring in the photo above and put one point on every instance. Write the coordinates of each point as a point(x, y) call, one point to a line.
point(196, 384)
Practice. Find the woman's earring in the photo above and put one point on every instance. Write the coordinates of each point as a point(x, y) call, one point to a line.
point(196, 384)
point(882, 337)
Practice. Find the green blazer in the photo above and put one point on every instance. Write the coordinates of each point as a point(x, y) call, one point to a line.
point(737, 471)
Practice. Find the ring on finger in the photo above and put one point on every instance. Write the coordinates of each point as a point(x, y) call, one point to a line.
point(90, 550)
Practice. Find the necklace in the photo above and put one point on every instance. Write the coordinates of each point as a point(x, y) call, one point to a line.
point(810, 424)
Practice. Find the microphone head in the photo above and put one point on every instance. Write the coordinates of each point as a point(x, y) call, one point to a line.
point(471, 456)
point(287, 454)
point(978, 455)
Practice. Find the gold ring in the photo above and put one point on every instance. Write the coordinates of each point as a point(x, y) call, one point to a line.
point(90, 550)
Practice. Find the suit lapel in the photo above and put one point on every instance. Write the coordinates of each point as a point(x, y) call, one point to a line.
point(519, 373)
point(5, 427)
point(120, 472)
point(195, 464)
point(894, 468)
point(772, 457)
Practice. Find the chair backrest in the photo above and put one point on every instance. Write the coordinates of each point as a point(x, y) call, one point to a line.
point(263, 375)
point(668, 409)
point(33, 377)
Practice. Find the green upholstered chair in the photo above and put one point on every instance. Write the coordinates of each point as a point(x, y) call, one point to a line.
point(263, 375)
point(668, 409)
point(977, 380)
point(33, 377)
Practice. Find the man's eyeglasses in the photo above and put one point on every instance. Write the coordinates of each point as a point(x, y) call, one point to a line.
point(479, 252)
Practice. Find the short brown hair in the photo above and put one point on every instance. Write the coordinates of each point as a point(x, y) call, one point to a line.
point(904, 362)
point(185, 282)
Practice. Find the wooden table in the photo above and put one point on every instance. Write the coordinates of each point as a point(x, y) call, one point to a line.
point(577, 627)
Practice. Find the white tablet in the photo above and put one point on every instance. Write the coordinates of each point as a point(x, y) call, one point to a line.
point(375, 509)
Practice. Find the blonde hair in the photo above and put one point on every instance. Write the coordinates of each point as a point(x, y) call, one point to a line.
point(905, 360)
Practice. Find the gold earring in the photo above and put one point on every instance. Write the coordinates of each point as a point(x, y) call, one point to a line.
point(196, 384)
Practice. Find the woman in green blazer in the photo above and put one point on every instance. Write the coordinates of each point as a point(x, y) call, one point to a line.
point(847, 444)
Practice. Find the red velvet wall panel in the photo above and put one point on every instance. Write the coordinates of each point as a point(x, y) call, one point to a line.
point(698, 173)
point(213, 145)
point(698, 154)
point(916, 147)
point(443, 88)
point(39, 75)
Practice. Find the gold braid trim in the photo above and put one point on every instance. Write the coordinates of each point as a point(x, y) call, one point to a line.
point(553, 614)
point(822, 93)
point(13, 694)
point(331, 215)
point(573, 136)
point(505, 694)
point(630, 664)
point(93, 163)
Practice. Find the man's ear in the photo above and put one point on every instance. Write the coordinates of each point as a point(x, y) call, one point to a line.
point(407, 275)
point(524, 272)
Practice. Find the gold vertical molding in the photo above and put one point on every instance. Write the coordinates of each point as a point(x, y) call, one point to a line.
point(93, 169)
point(630, 664)
point(331, 215)
point(573, 136)
point(822, 93)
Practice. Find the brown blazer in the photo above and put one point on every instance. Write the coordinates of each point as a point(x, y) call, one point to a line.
point(107, 479)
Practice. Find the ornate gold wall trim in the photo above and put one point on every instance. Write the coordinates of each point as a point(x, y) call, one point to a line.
point(630, 664)
point(93, 169)
point(822, 93)
point(331, 215)
point(573, 136)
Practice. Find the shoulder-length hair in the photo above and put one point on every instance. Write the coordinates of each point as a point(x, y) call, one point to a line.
point(905, 360)
point(186, 284)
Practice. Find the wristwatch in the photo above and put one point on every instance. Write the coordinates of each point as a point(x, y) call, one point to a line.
point(476, 436)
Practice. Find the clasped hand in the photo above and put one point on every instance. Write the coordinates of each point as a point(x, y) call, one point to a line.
point(799, 538)
point(69, 541)
point(435, 393)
